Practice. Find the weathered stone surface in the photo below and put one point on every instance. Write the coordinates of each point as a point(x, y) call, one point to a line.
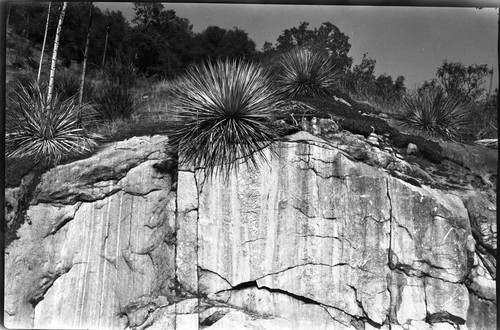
point(296, 235)
point(482, 314)
point(98, 176)
point(446, 301)
point(407, 298)
point(241, 320)
point(482, 211)
point(274, 304)
point(481, 283)
point(187, 231)
point(316, 239)
point(80, 264)
point(317, 226)
point(430, 231)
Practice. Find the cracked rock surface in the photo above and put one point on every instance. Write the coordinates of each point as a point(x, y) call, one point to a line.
point(315, 239)
point(99, 236)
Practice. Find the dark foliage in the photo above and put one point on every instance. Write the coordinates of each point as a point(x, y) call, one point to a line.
point(215, 42)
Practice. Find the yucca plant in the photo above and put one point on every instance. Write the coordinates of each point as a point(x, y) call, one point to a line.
point(46, 131)
point(302, 72)
point(223, 115)
point(435, 114)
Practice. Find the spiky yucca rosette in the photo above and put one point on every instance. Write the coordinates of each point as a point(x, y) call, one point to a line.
point(223, 115)
point(435, 114)
point(46, 131)
point(302, 72)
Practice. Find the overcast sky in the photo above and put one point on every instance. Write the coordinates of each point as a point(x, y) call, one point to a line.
point(407, 41)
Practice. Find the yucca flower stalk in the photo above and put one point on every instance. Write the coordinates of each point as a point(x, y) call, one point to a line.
point(302, 72)
point(435, 114)
point(48, 131)
point(223, 115)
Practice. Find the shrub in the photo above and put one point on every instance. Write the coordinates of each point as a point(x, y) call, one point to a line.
point(305, 73)
point(434, 114)
point(223, 114)
point(115, 102)
point(48, 131)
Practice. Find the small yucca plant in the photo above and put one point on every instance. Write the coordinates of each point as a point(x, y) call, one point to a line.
point(223, 114)
point(435, 114)
point(305, 73)
point(46, 131)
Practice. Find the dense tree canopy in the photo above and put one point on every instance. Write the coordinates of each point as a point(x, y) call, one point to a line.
point(327, 37)
point(461, 80)
point(215, 42)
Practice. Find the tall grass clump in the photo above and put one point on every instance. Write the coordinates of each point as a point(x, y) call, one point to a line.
point(114, 101)
point(223, 114)
point(67, 84)
point(46, 131)
point(305, 73)
point(435, 114)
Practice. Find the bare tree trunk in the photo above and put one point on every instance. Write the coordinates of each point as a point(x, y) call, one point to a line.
point(105, 45)
point(43, 45)
point(84, 68)
point(8, 15)
point(54, 53)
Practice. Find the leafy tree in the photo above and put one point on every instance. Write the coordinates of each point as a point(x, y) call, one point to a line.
point(147, 13)
point(361, 81)
point(362, 76)
point(327, 37)
point(215, 42)
point(162, 40)
point(461, 80)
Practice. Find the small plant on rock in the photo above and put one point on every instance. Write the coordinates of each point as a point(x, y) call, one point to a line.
point(223, 114)
point(435, 114)
point(46, 131)
point(305, 73)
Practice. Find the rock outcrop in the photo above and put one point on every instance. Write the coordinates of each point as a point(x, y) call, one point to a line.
point(324, 236)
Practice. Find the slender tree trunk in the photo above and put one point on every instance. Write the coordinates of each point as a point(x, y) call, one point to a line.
point(105, 45)
point(27, 26)
point(43, 45)
point(8, 15)
point(84, 68)
point(54, 53)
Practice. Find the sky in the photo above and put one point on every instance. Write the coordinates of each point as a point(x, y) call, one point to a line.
point(407, 41)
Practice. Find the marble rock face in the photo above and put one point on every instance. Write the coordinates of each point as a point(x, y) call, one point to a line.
point(313, 239)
